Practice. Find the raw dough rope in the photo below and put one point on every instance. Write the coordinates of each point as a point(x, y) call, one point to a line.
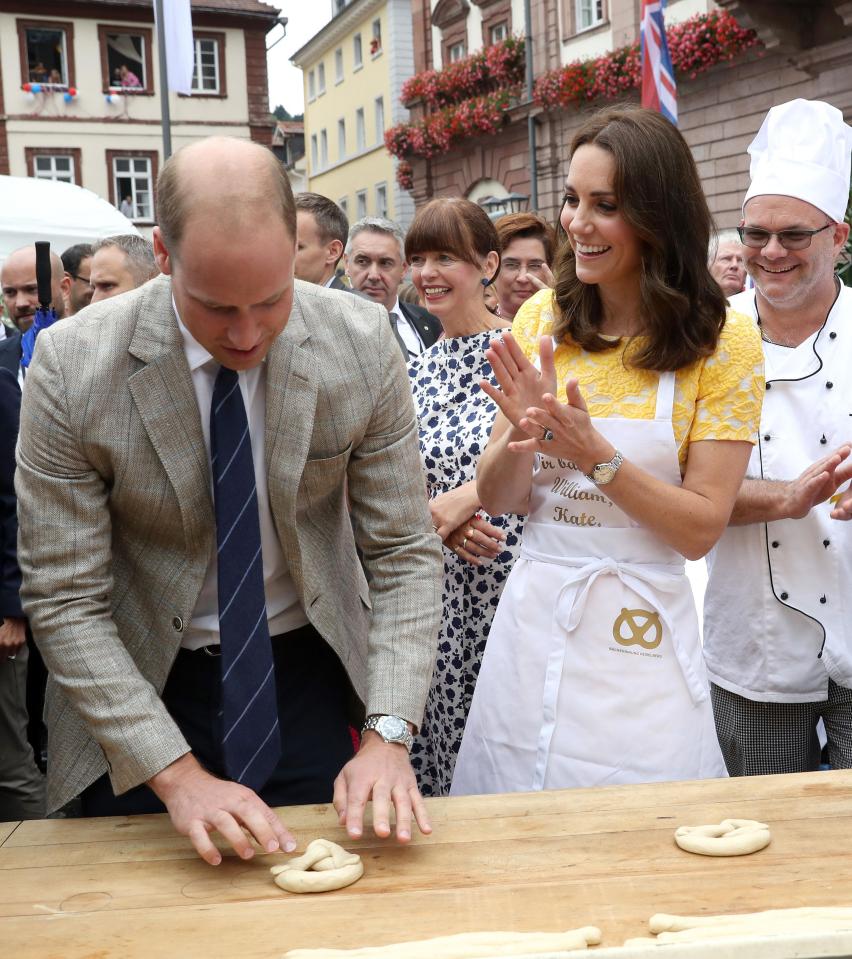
point(732, 837)
point(465, 945)
point(772, 922)
point(323, 866)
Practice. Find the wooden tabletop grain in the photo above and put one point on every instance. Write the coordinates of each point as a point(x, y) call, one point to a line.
point(127, 888)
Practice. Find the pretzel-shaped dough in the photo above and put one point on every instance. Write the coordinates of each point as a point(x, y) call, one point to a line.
point(732, 837)
point(322, 867)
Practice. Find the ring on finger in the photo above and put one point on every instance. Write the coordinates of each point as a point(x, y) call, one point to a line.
point(547, 435)
point(464, 543)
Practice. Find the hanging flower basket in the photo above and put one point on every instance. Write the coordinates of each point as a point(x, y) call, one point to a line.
point(696, 45)
point(489, 70)
point(440, 132)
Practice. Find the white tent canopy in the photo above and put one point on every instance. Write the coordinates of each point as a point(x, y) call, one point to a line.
point(33, 209)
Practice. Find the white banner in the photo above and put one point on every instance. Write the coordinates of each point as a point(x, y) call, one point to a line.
point(180, 47)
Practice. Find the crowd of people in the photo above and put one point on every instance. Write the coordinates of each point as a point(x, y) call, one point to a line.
point(285, 536)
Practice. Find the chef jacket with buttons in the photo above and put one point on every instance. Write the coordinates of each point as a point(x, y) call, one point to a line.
point(778, 606)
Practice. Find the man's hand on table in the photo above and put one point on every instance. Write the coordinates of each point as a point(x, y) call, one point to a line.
point(199, 803)
point(382, 771)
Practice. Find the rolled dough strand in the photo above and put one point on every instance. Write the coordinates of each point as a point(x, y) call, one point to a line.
point(466, 945)
point(731, 837)
point(755, 929)
point(663, 922)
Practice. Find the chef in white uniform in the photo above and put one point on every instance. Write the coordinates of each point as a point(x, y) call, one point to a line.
point(778, 606)
point(593, 672)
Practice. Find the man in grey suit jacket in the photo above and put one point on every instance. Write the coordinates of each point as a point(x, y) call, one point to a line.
point(118, 533)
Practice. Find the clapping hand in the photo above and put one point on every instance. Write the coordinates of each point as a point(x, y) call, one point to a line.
point(818, 483)
point(521, 385)
point(563, 430)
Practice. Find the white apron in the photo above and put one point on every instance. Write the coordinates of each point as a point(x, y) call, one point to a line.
point(593, 673)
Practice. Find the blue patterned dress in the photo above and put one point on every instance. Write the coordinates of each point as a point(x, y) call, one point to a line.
point(455, 423)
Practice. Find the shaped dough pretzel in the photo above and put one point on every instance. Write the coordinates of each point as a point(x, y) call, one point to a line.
point(732, 837)
point(322, 867)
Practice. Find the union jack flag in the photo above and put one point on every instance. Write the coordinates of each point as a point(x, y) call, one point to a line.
point(659, 91)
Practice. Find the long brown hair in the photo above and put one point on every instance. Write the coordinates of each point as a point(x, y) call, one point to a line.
point(659, 194)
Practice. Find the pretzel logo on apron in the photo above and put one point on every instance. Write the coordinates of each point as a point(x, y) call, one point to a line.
point(639, 622)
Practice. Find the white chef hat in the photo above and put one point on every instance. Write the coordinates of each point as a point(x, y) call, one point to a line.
point(803, 150)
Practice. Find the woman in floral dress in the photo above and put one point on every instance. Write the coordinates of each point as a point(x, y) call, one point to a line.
point(452, 248)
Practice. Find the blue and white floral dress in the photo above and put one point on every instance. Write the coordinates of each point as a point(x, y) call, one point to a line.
point(455, 424)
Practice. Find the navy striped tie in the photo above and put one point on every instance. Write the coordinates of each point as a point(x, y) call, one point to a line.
point(251, 740)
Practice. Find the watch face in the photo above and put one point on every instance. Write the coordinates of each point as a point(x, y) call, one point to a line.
point(392, 727)
point(602, 472)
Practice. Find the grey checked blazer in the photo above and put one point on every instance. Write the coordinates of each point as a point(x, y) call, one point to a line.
point(117, 524)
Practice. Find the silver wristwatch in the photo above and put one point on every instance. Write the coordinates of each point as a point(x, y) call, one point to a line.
point(393, 729)
point(603, 473)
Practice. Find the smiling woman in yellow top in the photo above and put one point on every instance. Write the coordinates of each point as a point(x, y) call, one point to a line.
point(715, 396)
point(629, 403)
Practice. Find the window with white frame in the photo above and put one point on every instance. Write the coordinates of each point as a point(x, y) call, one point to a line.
point(380, 119)
point(341, 139)
point(360, 130)
point(126, 61)
point(357, 53)
point(589, 13)
point(56, 167)
point(47, 55)
point(361, 203)
point(338, 65)
point(376, 42)
point(498, 32)
point(132, 178)
point(381, 199)
point(314, 152)
point(312, 85)
point(458, 51)
point(206, 68)
point(343, 203)
point(320, 79)
point(323, 149)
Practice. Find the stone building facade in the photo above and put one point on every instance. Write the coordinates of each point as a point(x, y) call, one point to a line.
point(66, 115)
point(806, 52)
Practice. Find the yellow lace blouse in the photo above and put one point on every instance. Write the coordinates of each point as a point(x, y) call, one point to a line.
point(716, 398)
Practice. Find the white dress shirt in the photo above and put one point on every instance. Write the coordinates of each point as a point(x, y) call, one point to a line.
point(283, 609)
point(407, 331)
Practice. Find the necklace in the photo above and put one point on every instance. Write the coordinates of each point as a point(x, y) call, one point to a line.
point(767, 339)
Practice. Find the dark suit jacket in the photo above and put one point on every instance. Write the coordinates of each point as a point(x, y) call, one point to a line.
point(10, 353)
point(427, 325)
point(338, 284)
point(10, 574)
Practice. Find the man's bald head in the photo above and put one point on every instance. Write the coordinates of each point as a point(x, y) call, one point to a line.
point(225, 181)
point(20, 287)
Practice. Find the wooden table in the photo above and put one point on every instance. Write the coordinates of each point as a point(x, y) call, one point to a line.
point(547, 861)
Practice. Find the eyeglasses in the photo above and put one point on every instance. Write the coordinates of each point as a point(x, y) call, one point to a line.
point(83, 279)
point(513, 267)
point(790, 239)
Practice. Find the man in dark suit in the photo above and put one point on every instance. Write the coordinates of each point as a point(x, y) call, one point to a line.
point(375, 264)
point(20, 294)
point(21, 784)
point(321, 231)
